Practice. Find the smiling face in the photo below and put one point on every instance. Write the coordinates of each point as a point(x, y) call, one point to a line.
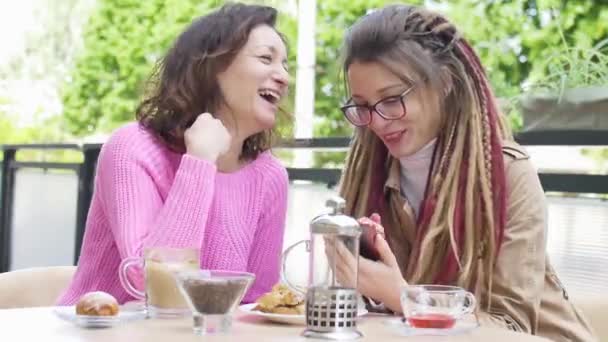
point(255, 82)
point(370, 82)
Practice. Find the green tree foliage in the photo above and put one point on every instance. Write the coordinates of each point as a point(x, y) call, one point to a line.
point(7, 126)
point(43, 130)
point(48, 47)
point(514, 38)
point(125, 37)
point(123, 41)
point(38, 64)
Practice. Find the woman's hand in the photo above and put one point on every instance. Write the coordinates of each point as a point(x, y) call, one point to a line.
point(207, 138)
point(371, 228)
point(380, 280)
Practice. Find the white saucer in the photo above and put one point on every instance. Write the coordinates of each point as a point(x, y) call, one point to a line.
point(283, 318)
point(68, 313)
point(403, 328)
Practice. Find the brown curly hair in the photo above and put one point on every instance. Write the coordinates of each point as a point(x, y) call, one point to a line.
point(184, 83)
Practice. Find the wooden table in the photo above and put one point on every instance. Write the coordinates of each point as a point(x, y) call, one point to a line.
point(41, 324)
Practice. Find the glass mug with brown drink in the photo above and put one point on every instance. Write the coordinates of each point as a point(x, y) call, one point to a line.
point(162, 295)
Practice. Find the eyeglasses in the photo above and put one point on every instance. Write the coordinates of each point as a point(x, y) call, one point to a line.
point(389, 108)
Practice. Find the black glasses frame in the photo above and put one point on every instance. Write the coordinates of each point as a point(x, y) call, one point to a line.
point(373, 108)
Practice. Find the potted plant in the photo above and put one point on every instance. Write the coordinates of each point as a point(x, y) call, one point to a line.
point(572, 95)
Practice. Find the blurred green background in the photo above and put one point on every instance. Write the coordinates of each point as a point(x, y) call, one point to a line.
point(90, 58)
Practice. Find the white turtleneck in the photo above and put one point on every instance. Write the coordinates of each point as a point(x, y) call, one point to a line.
point(414, 173)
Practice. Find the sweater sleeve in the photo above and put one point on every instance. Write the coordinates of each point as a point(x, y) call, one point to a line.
point(265, 254)
point(137, 214)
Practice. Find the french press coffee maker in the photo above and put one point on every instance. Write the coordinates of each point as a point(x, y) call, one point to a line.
point(331, 294)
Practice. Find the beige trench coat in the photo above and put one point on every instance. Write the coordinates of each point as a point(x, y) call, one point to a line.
point(527, 295)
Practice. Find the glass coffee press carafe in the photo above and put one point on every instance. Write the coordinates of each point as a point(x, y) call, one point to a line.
point(331, 294)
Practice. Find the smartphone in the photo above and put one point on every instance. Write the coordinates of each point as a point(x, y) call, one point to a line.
point(367, 244)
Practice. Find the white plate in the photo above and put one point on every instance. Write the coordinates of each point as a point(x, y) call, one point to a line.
point(283, 318)
point(402, 326)
point(68, 313)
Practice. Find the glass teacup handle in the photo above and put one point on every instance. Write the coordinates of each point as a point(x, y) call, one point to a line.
point(301, 290)
point(125, 264)
point(470, 304)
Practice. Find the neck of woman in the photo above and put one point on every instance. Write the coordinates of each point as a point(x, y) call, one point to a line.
point(414, 175)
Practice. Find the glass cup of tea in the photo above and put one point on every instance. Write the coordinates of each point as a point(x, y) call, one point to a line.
point(212, 295)
point(163, 299)
point(435, 306)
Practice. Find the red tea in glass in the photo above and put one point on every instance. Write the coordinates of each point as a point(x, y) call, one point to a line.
point(432, 321)
point(435, 306)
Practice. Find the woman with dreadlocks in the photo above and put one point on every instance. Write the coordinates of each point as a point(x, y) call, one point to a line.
point(434, 169)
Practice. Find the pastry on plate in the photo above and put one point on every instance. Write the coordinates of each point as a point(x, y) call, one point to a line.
point(281, 300)
point(97, 304)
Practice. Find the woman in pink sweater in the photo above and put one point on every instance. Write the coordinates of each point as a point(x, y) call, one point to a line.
point(180, 178)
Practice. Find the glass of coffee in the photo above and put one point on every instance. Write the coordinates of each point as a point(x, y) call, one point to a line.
point(212, 296)
point(162, 297)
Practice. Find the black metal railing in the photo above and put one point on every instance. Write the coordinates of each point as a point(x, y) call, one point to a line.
point(85, 171)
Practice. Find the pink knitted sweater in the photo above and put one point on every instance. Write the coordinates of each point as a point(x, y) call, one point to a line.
point(146, 195)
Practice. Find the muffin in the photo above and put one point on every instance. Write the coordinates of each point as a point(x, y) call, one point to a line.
point(97, 304)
